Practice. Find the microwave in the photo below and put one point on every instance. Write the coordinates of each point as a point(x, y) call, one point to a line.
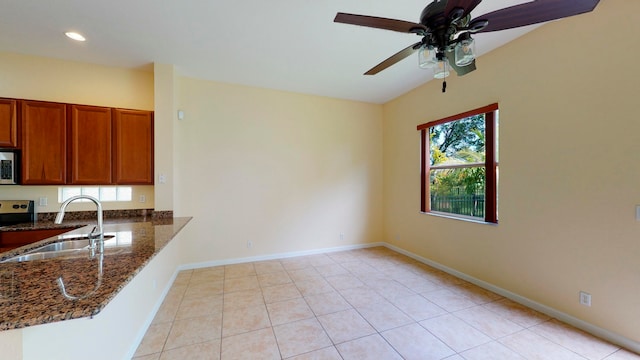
point(9, 166)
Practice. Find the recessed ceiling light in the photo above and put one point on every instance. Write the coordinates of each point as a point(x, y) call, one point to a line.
point(75, 36)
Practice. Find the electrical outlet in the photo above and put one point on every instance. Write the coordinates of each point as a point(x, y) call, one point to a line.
point(143, 198)
point(341, 236)
point(43, 201)
point(249, 244)
point(585, 298)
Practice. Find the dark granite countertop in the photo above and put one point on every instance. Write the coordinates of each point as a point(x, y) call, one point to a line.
point(74, 223)
point(30, 293)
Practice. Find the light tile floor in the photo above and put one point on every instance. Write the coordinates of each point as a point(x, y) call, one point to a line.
point(362, 304)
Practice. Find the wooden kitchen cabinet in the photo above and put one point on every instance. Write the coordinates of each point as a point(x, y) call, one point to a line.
point(90, 145)
point(81, 145)
point(8, 123)
point(14, 239)
point(133, 147)
point(44, 143)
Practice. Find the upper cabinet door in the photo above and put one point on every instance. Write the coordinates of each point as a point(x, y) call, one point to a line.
point(8, 123)
point(90, 150)
point(133, 151)
point(44, 143)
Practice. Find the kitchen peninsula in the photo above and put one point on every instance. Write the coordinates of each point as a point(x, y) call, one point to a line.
point(117, 290)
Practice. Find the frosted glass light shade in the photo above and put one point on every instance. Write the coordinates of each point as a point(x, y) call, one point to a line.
point(75, 36)
point(427, 58)
point(441, 70)
point(465, 52)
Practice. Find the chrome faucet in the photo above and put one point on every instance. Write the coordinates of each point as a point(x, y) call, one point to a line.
point(96, 233)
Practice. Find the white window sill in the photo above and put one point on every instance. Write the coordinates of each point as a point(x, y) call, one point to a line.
point(458, 217)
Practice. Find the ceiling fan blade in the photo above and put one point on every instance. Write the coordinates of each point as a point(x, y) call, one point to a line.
point(460, 70)
point(400, 55)
point(535, 12)
point(467, 5)
point(378, 22)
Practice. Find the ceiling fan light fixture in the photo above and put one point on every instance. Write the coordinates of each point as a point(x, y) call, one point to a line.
point(446, 27)
point(427, 57)
point(441, 70)
point(465, 52)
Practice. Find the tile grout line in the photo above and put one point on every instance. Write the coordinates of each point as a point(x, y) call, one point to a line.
point(443, 283)
point(173, 321)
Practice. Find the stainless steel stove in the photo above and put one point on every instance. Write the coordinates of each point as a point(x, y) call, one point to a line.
point(14, 212)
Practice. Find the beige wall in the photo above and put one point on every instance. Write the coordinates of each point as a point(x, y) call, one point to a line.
point(569, 176)
point(165, 119)
point(292, 172)
point(288, 172)
point(37, 78)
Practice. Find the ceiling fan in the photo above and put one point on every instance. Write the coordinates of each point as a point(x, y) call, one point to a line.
point(446, 27)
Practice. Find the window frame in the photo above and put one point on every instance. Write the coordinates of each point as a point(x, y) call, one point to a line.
point(490, 163)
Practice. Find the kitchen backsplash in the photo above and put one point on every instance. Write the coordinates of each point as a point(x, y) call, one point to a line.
point(82, 215)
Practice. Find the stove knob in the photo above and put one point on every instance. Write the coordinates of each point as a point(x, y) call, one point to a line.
point(23, 206)
point(16, 206)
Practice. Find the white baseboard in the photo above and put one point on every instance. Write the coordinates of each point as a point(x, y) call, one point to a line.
point(275, 256)
point(152, 314)
point(136, 342)
point(564, 317)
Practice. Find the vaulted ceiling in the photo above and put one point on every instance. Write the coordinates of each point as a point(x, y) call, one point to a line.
point(280, 44)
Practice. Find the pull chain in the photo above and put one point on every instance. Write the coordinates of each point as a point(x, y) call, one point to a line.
point(444, 81)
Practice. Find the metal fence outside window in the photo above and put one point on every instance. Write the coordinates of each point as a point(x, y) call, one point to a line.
point(470, 205)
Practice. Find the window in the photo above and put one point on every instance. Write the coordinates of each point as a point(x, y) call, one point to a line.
point(459, 165)
point(102, 193)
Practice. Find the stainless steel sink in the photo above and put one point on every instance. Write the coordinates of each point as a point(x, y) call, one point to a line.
point(69, 247)
point(37, 256)
point(62, 245)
